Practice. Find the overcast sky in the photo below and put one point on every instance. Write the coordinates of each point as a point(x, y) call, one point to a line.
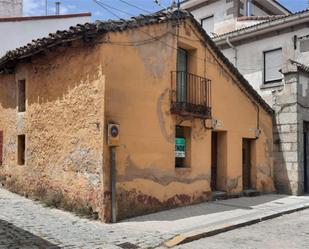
point(37, 7)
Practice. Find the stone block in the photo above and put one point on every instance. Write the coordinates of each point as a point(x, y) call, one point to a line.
point(288, 137)
point(286, 146)
point(286, 118)
point(293, 175)
point(290, 156)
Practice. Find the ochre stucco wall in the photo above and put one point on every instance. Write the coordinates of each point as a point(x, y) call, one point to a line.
point(63, 124)
point(138, 98)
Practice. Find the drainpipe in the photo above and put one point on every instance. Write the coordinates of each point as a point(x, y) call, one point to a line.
point(113, 182)
point(249, 7)
point(234, 48)
point(257, 131)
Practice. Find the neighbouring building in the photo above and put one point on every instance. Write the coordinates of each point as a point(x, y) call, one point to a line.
point(271, 50)
point(22, 30)
point(10, 8)
point(129, 117)
point(222, 16)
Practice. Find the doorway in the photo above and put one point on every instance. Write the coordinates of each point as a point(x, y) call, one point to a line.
point(218, 161)
point(246, 164)
point(214, 161)
point(306, 157)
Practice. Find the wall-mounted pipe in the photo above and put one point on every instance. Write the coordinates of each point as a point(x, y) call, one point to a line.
point(249, 7)
point(235, 50)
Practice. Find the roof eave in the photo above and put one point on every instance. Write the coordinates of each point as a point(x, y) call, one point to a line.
point(81, 30)
point(263, 27)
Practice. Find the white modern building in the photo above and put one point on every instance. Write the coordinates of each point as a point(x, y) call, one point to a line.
point(18, 31)
point(222, 16)
point(270, 47)
point(11, 8)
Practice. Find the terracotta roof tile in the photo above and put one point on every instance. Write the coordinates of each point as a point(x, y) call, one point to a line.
point(300, 66)
point(259, 18)
point(100, 27)
point(267, 21)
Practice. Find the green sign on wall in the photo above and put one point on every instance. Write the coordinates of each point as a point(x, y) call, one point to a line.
point(180, 148)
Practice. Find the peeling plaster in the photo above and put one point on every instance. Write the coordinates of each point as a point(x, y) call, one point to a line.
point(162, 116)
point(151, 172)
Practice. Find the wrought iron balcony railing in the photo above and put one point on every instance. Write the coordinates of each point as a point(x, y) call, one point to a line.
point(191, 95)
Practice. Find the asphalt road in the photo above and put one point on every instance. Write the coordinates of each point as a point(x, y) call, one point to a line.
point(286, 232)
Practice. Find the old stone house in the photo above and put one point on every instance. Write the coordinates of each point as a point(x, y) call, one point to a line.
point(271, 49)
point(127, 117)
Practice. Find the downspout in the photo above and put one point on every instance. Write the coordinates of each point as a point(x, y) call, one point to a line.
point(257, 131)
point(234, 48)
point(249, 7)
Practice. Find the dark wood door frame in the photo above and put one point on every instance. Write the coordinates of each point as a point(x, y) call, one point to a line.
point(214, 160)
point(246, 164)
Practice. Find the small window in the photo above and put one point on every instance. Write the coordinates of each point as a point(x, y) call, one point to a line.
point(1, 148)
point(21, 149)
point(183, 147)
point(304, 46)
point(208, 24)
point(273, 61)
point(21, 96)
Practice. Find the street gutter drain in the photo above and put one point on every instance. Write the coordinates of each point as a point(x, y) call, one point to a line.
point(128, 245)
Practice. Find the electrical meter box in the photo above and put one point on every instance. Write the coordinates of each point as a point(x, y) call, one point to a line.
point(113, 135)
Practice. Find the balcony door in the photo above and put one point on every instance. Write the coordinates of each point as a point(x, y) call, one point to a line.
point(182, 69)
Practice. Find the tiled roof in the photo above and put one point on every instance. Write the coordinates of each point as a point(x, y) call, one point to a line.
point(262, 25)
point(259, 18)
point(300, 66)
point(86, 30)
point(275, 1)
point(90, 30)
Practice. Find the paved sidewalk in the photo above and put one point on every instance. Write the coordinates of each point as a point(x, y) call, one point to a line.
point(207, 219)
point(289, 231)
point(30, 224)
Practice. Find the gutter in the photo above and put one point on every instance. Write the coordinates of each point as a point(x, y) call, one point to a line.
point(264, 27)
point(234, 48)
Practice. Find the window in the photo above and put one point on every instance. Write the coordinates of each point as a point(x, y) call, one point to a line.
point(21, 148)
point(21, 96)
point(182, 147)
point(182, 69)
point(208, 24)
point(273, 61)
point(304, 46)
point(1, 148)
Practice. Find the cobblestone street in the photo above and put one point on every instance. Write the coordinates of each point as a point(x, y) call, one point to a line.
point(25, 224)
point(14, 237)
point(286, 232)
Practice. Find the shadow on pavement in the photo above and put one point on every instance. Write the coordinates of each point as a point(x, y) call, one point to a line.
point(207, 208)
point(14, 237)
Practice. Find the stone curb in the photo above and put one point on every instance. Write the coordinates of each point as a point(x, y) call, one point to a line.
point(224, 227)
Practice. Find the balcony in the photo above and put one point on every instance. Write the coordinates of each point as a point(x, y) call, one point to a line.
point(191, 95)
